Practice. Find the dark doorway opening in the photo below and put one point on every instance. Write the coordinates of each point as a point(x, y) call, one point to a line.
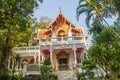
point(63, 64)
point(62, 61)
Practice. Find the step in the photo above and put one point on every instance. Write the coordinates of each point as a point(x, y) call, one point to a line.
point(66, 75)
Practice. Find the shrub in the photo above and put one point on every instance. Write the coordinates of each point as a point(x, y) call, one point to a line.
point(80, 75)
point(53, 77)
point(91, 74)
point(32, 77)
point(4, 76)
point(47, 62)
point(44, 71)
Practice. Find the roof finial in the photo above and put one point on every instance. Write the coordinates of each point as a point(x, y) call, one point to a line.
point(60, 9)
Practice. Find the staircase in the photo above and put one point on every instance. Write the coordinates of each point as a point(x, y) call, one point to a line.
point(66, 75)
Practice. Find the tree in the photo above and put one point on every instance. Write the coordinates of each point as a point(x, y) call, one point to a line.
point(14, 15)
point(43, 23)
point(106, 53)
point(97, 11)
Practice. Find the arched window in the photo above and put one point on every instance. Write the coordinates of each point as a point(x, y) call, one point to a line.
point(31, 61)
point(25, 60)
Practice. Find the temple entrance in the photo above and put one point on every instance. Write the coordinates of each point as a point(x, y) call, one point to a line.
point(63, 60)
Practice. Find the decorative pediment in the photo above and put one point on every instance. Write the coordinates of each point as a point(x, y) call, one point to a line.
point(60, 20)
point(60, 26)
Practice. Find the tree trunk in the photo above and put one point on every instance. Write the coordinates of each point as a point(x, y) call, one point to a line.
point(106, 73)
point(5, 52)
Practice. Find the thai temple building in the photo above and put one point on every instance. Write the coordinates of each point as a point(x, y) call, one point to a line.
point(62, 43)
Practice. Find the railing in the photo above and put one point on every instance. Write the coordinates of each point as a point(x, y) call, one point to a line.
point(26, 49)
point(62, 38)
point(53, 41)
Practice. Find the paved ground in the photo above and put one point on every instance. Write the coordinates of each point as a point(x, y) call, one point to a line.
point(66, 75)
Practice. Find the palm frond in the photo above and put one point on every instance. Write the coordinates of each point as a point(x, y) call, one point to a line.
point(80, 11)
point(80, 1)
point(88, 18)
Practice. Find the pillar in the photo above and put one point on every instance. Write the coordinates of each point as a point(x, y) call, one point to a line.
point(12, 64)
point(34, 58)
point(24, 68)
point(9, 63)
point(39, 57)
point(53, 36)
point(84, 40)
point(81, 58)
point(39, 54)
point(51, 55)
point(75, 54)
point(17, 66)
point(42, 57)
point(69, 35)
point(20, 64)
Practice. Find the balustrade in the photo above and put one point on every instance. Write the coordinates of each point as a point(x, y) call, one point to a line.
point(26, 49)
point(62, 38)
point(53, 40)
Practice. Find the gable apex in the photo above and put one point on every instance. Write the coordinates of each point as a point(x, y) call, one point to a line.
point(60, 18)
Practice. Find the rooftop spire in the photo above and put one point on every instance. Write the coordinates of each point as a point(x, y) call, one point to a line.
point(60, 9)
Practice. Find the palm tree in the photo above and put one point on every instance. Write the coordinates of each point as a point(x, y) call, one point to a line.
point(97, 11)
point(91, 8)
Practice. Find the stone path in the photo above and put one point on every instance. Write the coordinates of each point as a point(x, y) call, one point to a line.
point(66, 75)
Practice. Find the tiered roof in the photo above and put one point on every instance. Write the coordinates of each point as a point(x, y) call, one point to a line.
point(59, 20)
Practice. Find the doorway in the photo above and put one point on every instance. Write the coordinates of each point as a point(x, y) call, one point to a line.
point(63, 60)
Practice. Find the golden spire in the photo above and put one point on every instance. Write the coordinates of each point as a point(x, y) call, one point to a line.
point(60, 9)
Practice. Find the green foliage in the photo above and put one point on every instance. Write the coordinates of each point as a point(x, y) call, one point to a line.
point(53, 77)
point(4, 76)
point(32, 77)
point(43, 23)
point(14, 25)
point(16, 77)
point(106, 53)
point(46, 62)
point(81, 75)
point(88, 65)
point(91, 74)
point(97, 9)
point(44, 71)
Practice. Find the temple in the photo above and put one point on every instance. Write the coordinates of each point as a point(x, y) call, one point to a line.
point(62, 43)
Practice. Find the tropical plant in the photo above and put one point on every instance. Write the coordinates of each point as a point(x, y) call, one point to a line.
point(97, 11)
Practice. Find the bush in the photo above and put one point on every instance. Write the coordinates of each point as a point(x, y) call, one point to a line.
point(80, 75)
point(31, 77)
point(53, 77)
point(44, 71)
point(91, 74)
point(47, 62)
point(4, 76)
point(26, 78)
